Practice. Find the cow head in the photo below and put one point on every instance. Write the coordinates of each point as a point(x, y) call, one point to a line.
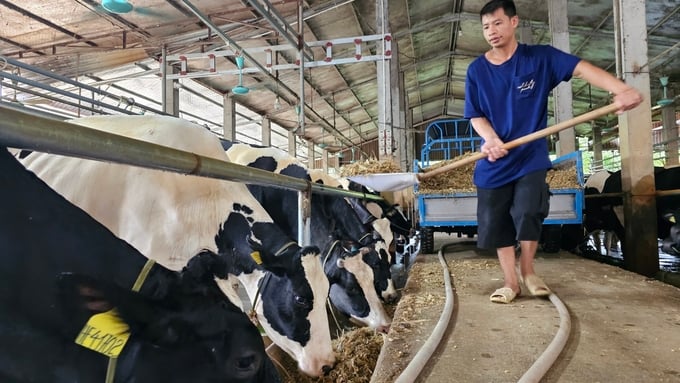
point(287, 285)
point(671, 244)
point(383, 237)
point(191, 334)
point(352, 285)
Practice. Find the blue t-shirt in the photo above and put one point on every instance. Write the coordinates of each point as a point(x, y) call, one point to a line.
point(513, 96)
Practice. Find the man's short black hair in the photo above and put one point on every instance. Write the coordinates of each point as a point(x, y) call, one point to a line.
point(491, 7)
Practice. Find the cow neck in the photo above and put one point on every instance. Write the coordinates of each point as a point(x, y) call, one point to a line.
point(283, 248)
point(141, 277)
point(389, 213)
point(328, 253)
point(267, 276)
point(329, 304)
point(260, 287)
point(366, 235)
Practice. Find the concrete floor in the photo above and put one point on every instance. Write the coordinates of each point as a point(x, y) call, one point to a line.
point(624, 327)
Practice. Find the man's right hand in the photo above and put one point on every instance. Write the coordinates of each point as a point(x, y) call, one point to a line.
point(493, 150)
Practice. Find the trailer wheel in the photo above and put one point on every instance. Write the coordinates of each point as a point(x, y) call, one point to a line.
point(572, 236)
point(427, 239)
point(551, 238)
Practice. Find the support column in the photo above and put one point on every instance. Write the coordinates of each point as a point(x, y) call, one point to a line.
point(562, 95)
point(384, 86)
point(526, 36)
point(169, 94)
point(324, 160)
point(398, 117)
point(311, 155)
point(641, 253)
point(292, 145)
point(229, 117)
point(670, 134)
point(597, 145)
point(411, 136)
point(266, 132)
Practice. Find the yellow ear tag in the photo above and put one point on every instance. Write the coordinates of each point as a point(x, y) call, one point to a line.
point(672, 219)
point(256, 257)
point(105, 333)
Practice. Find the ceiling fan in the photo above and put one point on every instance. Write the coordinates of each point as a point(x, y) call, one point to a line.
point(121, 7)
point(117, 6)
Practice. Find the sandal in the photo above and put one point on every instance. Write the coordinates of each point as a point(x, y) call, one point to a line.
point(536, 286)
point(503, 295)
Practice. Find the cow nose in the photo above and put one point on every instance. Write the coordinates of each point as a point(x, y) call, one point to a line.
point(391, 298)
point(326, 369)
point(383, 329)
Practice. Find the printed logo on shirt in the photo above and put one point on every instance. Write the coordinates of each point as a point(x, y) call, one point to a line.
point(526, 85)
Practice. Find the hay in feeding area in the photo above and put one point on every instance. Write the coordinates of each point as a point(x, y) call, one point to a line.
point(356, 353)
point(370, 166)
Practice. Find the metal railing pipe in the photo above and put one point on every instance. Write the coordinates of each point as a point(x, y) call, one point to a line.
point(66, 80)
point(28, 131)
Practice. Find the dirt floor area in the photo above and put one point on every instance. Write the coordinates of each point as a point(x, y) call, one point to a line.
point(624, 327)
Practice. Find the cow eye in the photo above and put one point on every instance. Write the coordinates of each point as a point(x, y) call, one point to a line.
point(353, 290)
point(301, 301)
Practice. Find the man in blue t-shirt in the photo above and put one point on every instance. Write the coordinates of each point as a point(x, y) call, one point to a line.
point(506, 97)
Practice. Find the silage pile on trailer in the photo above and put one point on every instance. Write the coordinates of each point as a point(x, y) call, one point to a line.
point(459, 180)
point(356, 354)
point(369, 166)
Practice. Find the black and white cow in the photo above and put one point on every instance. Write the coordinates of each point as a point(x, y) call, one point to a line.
point(381, 238)
point(168, 215)
point(60, 267)
point(352, 269)
point(671, 244)
point(606, 213)
point(400, 228)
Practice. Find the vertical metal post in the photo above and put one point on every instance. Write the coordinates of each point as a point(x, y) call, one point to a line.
point(266, 131)
point(637, 172)
point(292, 145)
point(301, 55)
point(597, 144)
point(304, 218)
point(670, 134)
point(384, 89)
point(562, 94)
point(229, 117)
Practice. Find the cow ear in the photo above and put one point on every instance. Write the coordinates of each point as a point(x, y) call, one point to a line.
point(206, 265)
point(81, 296)
point(279, 265)
point(147, 318)
point(143, 316)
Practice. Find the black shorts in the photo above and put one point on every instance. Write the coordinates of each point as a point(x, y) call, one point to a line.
point(512, 212)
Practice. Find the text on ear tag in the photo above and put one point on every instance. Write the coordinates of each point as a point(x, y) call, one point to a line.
point(105, 333)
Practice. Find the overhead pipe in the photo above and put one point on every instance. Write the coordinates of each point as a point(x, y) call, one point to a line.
point(265, 71)
point(61, 78)
point(63, 92)
point(281, 26)
point(24, 130)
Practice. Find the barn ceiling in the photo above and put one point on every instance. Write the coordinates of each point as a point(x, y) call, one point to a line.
point(435, 41)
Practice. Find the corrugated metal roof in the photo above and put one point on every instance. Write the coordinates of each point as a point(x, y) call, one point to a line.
point(435, 41)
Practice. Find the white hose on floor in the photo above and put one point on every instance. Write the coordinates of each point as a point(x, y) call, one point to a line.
point(415, 367)
point(535, 373)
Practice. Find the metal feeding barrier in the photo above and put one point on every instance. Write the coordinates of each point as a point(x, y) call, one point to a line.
point(22, 130)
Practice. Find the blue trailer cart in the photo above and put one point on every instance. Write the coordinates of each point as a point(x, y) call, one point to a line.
point(456, 212)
